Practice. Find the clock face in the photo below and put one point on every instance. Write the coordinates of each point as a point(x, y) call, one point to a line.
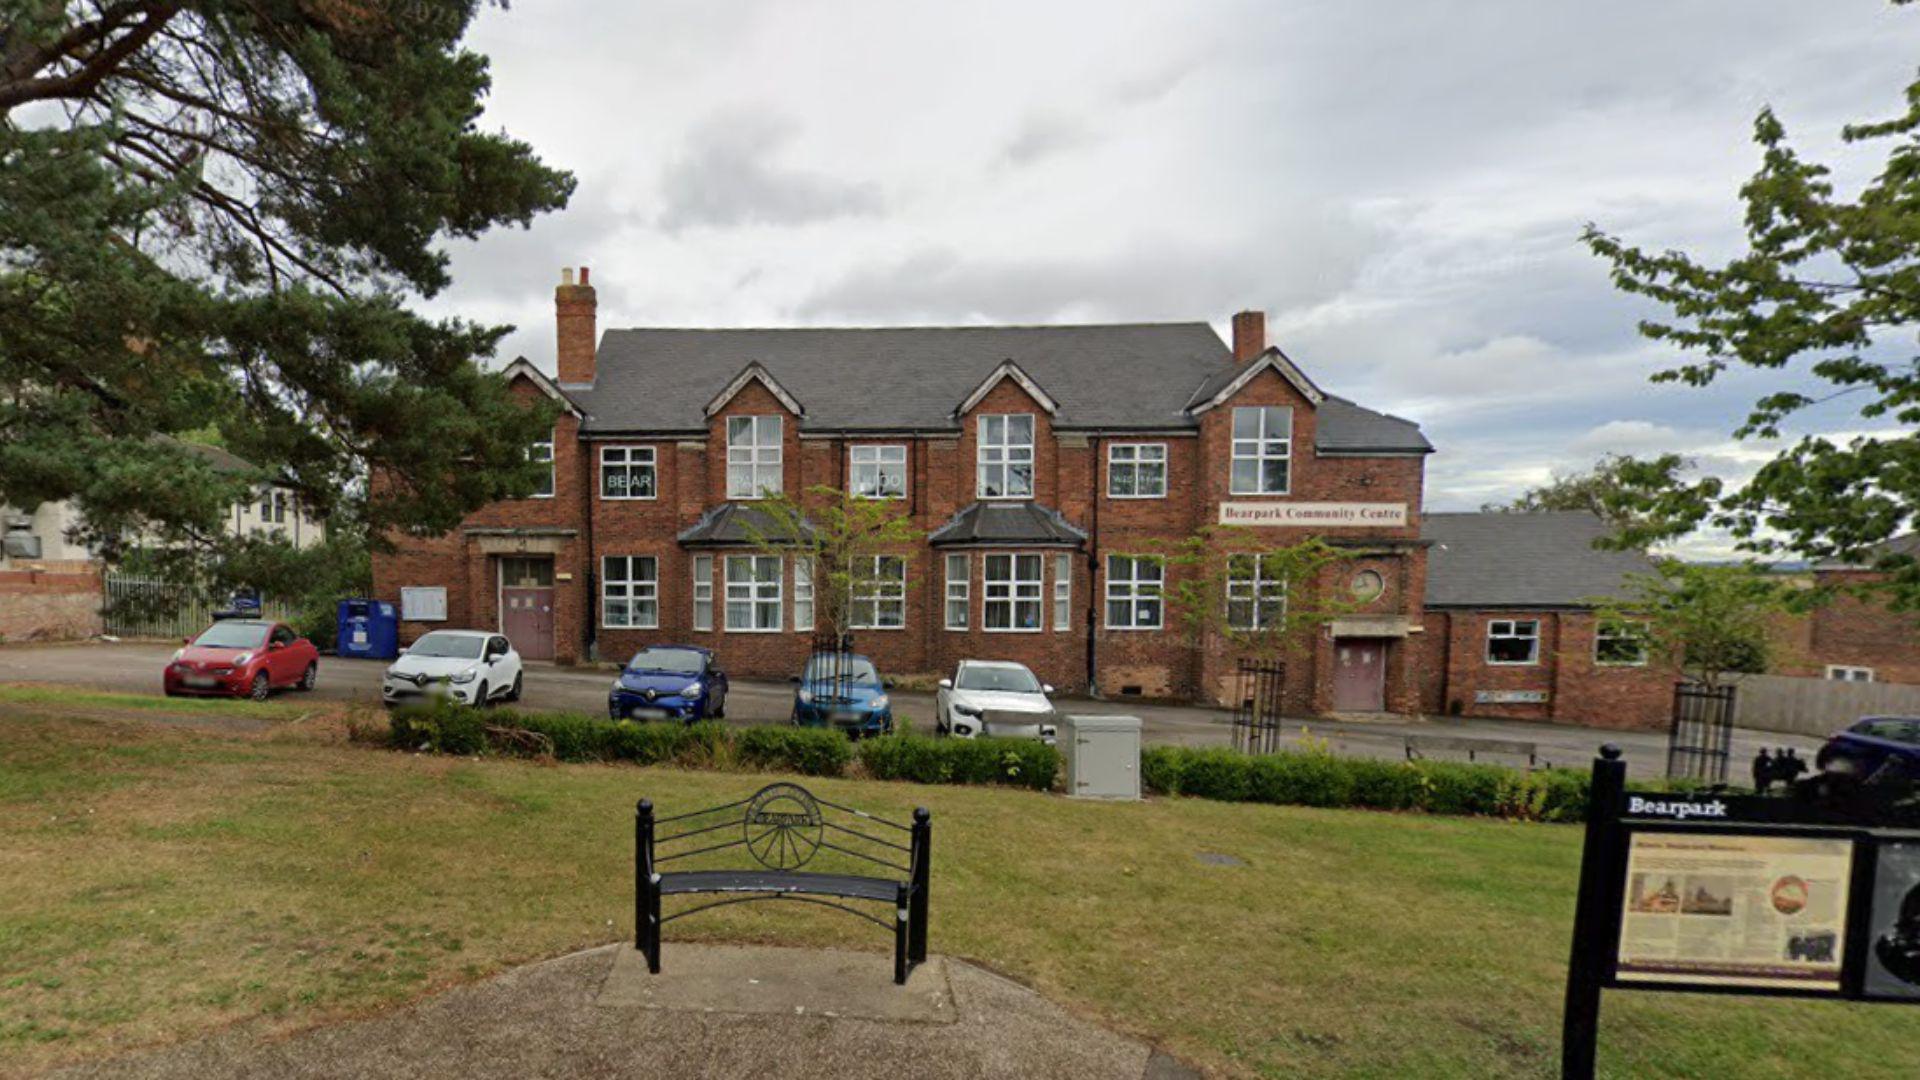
point(1368, 584)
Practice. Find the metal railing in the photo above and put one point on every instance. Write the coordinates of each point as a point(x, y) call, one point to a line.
point(136, 607)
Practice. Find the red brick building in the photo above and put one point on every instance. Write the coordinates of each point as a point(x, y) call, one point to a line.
point(1854, 638)
point(1045, 466)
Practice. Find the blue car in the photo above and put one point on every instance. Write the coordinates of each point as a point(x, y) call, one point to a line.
point(845, 692)
point(669, 682)
point(1874, 743)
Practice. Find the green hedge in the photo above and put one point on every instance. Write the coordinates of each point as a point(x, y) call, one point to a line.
point(808, 751)
point(925, 760)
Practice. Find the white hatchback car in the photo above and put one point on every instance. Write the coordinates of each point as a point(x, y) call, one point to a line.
point(995, 697)
point(470, 666)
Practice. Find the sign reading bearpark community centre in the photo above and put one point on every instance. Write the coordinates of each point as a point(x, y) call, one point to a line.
point(1812, 893)
point(1318, 514)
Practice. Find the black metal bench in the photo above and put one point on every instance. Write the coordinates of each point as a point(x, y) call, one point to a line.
point(783, 826)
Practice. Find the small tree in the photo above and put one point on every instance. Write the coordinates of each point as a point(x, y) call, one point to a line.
point(1704, 619)
point(1219, 593)
point(845, 539)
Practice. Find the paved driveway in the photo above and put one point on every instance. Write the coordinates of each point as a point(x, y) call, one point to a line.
point(135, 667)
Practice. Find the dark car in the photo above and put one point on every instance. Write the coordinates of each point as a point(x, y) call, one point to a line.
point(1873, 744)
point(669, 682)
point(843, 691)
point(242, 658)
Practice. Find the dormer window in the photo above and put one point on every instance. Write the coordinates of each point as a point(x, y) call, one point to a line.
point(1006, 456)
point(1262, 450)
point(753, 456)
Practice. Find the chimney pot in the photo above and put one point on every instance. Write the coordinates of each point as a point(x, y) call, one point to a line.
point(583, 276)
point(566, 275)
point(1249, 335)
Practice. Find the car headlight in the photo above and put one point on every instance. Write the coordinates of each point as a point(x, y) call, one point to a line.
point(691, 690)
point(242, 659)
point(879, 702)
point(967, 710)
point(177, 654)
point(466, 676)
point(805, 695)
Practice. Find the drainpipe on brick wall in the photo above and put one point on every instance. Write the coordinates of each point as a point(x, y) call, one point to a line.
point(592, 597)
point(1093, 577)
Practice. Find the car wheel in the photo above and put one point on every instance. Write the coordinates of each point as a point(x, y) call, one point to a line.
point(720, 710)
point(310, 676)
point(480, 697)
point(169, 691)
point(514, 694)
point(258, 691)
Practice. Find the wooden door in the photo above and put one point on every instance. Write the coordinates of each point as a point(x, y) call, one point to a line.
point(1359, 675)
point(526, 617)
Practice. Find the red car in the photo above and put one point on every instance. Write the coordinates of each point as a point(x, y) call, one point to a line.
point(243, 657)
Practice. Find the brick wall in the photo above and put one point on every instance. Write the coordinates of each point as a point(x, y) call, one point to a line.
point(49, 605)
point(1850, 631)
point(1453, 659)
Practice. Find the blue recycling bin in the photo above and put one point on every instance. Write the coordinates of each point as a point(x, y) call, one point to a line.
point(368, 629)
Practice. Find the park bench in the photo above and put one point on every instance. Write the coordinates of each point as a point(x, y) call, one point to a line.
point(1419, 746)
point(782, 827)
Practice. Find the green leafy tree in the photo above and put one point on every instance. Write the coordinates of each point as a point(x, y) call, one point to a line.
point(1608, 491)
point(1702, 618)
point(211, 215)
point(844, 538)
point(1825, 300)
point(1210, 591)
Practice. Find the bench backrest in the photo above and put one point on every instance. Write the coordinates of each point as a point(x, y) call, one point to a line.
point(783, 827)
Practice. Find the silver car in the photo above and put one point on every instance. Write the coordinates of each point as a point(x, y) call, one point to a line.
point(995, 697)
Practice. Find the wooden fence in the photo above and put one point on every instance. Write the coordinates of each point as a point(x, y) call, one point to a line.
point(1802, 705)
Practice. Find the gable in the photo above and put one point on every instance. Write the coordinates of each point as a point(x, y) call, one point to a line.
point(754, 373)
point(1271, 360)
point(1008, 371)
point(522, 372)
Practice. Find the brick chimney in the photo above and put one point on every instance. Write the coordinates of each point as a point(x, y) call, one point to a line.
point(1249, 335)
point(574, 316)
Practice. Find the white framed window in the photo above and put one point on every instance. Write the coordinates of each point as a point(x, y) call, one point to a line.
point(273, 505)
point(1134, 592)
point(630, 592)
point(753, 456)
point(753, 594)
point(802, 593)
point(958, 586)
point(878, 472)
point(1849, 673)
point(626, 472)
point(1006, 456)
point(703, 592)
point(1513, 641)
point(1620, 643)
point(879, 600)
point(423, 603)
point(543, 451)
point(1262, 450)
point(1010, 593)
point(1063, 592)
point(1256, 593)
point(1137, 470)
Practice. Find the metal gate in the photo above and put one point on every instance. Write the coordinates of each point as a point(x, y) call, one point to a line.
point(139, 607)
point(1257, 706)
point(1701, 740)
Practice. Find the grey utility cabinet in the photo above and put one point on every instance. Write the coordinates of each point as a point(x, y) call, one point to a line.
point(1103, 756)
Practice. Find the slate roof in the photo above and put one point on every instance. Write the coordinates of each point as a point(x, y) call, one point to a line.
point(1138, 376)
point(1519, 560)
point(730, 525)
point(999, 522)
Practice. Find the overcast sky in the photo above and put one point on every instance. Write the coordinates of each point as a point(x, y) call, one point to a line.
point(1400, 185)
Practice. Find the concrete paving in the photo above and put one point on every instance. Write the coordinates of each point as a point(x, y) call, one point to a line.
point(135, 667)
point(714, 1012)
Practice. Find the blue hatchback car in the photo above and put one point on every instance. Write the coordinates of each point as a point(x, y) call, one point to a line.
point(1871, 744)
point(669, 682)
point(843, 691)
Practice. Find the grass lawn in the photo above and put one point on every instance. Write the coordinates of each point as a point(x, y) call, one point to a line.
point(161, 880)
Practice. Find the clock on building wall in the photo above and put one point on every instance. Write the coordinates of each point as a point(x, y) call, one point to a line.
point(1367, 585)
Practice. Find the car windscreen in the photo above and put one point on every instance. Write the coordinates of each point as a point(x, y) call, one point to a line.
point(448, 646)
point(851, 669)
point(672, 661)
point(233, 636)
point(1013, 680)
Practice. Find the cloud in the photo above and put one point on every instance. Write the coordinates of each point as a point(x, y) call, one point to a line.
point(726, 177)
point(1043, 135)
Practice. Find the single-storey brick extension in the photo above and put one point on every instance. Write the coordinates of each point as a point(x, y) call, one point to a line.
point(1040, 463)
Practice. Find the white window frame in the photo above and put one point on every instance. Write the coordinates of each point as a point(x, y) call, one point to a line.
point(1135, 458)
point(1012, 592)
point(1000, 456)
point(543, 451)
point(630, 462)
point(876, 459)
point(880, 593)
point(755, 594)
point(757, 455)
point(802, 593)
point(1259, 589)
point(1512, 633)
point(1062, 592)
point(632, 588)
point(958, 591)
point(1262, 448)
point(1849, 673)
point(1638, 634)
point(1135, 589)
point(703, 592)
